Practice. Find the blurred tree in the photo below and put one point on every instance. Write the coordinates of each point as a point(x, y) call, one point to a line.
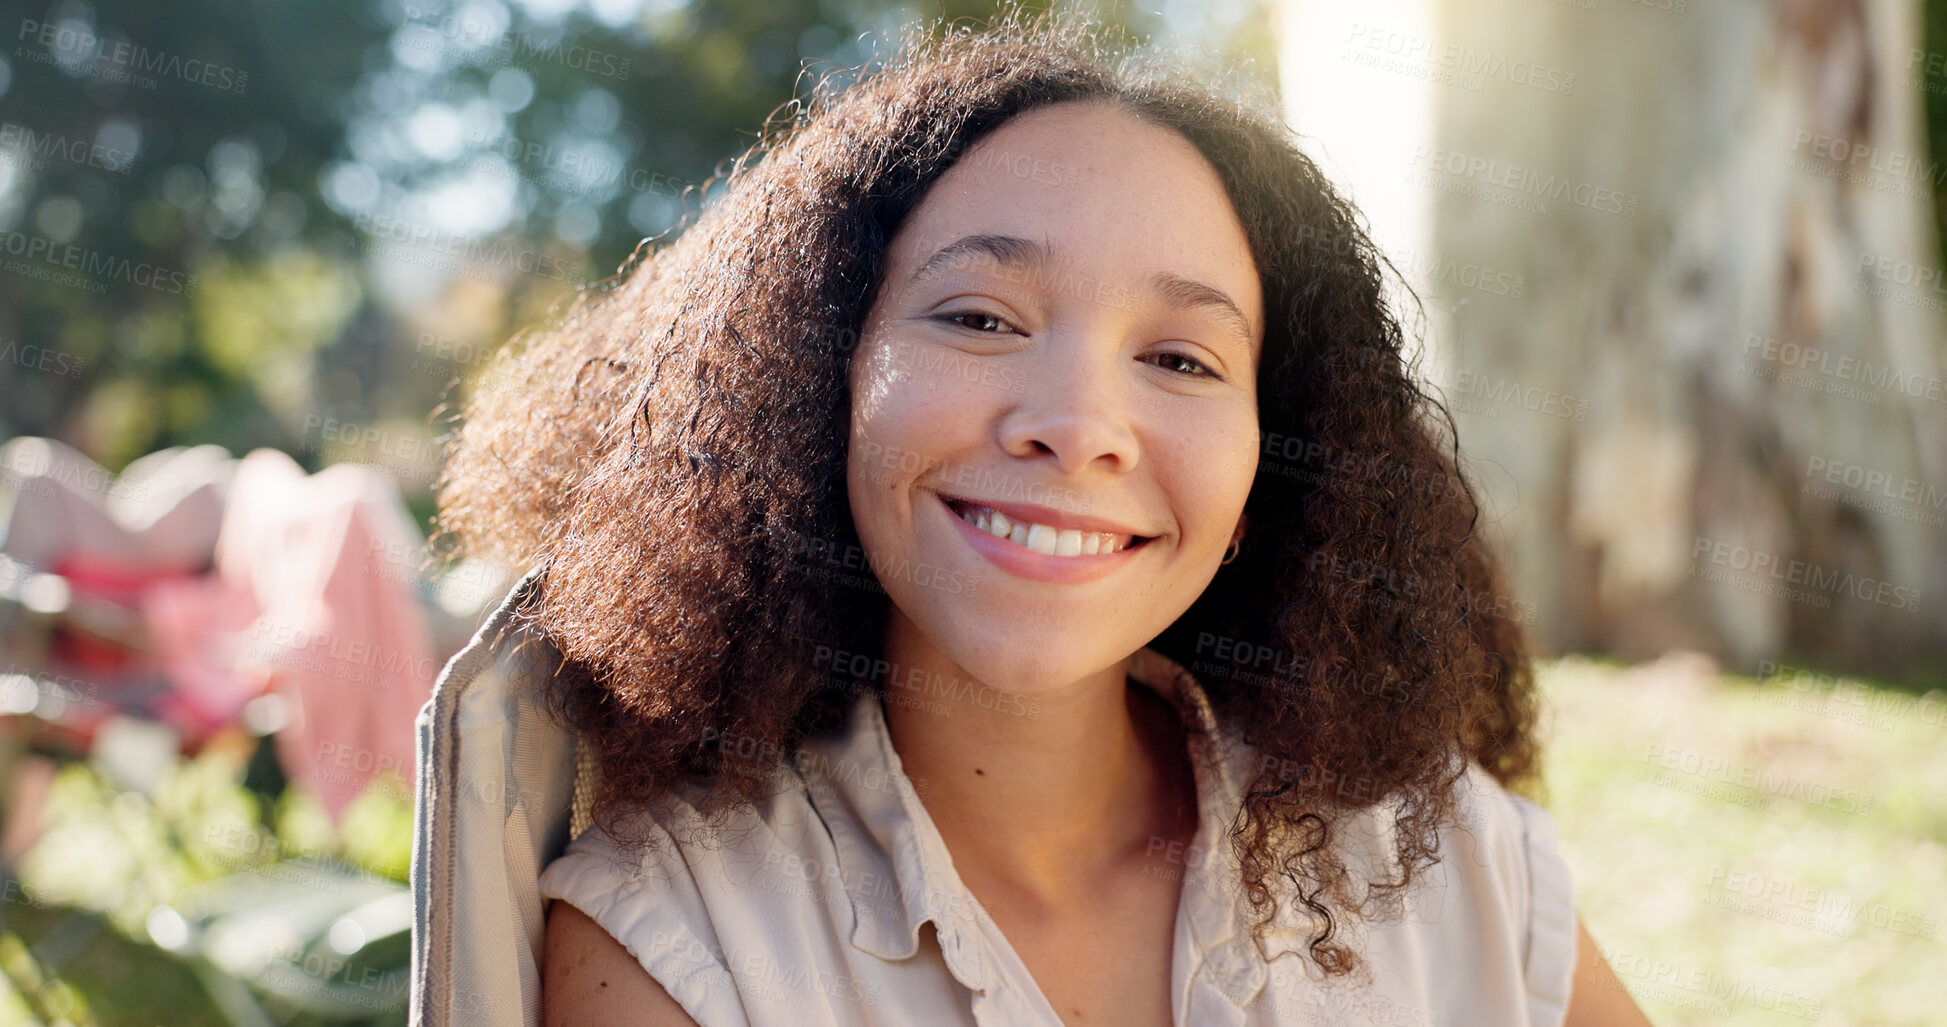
point(1700, 365)
point(1928, 67)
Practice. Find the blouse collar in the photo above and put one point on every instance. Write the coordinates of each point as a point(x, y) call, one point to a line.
point(899, 875)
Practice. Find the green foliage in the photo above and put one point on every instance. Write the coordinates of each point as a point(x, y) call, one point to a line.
point(121, 852)
point(117, 853)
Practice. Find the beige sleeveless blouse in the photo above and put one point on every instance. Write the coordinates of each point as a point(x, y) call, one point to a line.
point(808, 910)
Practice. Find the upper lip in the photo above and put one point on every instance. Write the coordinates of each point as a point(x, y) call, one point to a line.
point(1049, 516)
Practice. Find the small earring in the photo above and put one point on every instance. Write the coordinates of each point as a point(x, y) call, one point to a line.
point(1231, 553)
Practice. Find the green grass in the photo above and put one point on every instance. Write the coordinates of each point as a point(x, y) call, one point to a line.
point(1754, 852)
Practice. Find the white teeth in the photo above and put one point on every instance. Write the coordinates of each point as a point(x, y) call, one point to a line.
point(1041, 538)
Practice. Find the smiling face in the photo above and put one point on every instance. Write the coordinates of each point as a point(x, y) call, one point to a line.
point(1068, 335)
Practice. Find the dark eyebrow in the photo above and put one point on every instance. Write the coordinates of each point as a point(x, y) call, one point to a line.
point(1006, 250)
point(1013, 251)
point(1181, 292)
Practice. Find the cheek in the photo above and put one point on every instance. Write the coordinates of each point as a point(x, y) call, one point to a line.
point(931, 399)
point(878, 442)
point(1213, 465)
point(904, 425)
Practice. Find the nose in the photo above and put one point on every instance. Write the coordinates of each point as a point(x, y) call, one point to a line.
point(1075, 407)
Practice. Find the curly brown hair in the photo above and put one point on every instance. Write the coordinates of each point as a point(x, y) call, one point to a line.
point(674, 451)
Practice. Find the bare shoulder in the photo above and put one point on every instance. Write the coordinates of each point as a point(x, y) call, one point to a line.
point(1598, 999)
point(589, 978)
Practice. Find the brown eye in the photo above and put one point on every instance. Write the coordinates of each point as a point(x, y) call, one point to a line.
point(1205, 370)
point(978, 318)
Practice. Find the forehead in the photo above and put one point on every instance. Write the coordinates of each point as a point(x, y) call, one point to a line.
point(1105, 189)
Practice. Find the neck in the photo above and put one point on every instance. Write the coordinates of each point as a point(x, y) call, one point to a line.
point(1038, 795)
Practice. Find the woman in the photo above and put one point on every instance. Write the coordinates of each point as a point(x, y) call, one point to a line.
point(1008, 511)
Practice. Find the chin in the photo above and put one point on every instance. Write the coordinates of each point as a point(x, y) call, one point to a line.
point(1030, 661)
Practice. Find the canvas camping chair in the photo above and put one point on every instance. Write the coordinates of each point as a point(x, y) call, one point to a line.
point(501, 789)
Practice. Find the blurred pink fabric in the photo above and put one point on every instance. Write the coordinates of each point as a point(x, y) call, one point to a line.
point(311, 592)
point(331, 562)
point(312, 599)
point(113, 539)
point(111, 534)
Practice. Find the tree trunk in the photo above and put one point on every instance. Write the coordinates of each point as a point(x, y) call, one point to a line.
point(1693, 313)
